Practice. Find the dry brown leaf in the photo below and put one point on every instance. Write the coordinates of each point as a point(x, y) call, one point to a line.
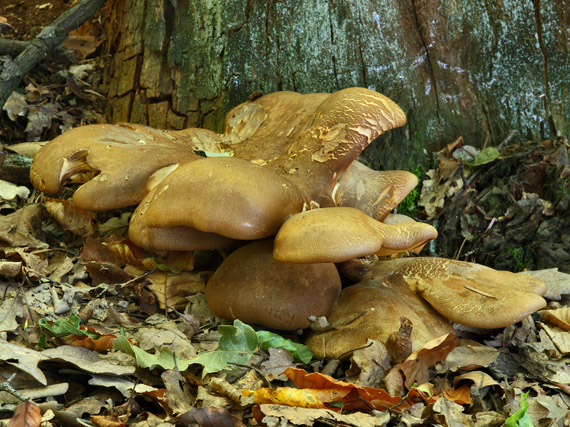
point(415, 368)
point(9, 191)
point(558, 317)
point(559, 337)
point(28, 149)
point(557, 282)
point(71, 218)
point(28, 414)
point(479, 378)
point(311, 417)
point(173, 289)
point(106, 421)
point(207, 417)
point(21, 227)
point(104, 272)
point(469, 355)
point(368, 365)
point(451, 414)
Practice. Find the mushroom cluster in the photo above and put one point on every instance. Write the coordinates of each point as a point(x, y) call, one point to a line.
point(285, 166)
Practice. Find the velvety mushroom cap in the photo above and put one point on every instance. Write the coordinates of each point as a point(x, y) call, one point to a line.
point(468, 293)
point(177, 238)
point(372, 309)
point(226, 196)
point(340, 234)
point(251, 286)
point(375, 193)
point(116, 161)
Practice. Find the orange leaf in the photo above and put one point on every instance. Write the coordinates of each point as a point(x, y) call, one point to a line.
point(27, 414)
point(354, 396)
point(103, 343)
point(105, 421)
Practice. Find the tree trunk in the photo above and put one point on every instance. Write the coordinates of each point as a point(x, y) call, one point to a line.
point(475, 69)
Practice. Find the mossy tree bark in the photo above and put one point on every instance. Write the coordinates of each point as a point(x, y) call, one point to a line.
point(475, 69)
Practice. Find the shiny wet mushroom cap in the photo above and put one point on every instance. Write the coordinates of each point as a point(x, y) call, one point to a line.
point(252, 286)
point(342, 233)
point(113, 161)
point(175, 238)
point(226, 196)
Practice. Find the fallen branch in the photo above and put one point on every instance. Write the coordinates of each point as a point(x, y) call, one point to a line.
point(12, 71)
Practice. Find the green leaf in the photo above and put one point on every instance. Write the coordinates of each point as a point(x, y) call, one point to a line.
point(237, 345)
point(521, 417)
point(165, 359)
point(300, 352)
point(487, 155)
point(62, 328)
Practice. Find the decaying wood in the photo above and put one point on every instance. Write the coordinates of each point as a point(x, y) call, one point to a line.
point(11, 71)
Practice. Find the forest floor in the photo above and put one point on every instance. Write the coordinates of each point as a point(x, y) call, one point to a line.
point(92, 333)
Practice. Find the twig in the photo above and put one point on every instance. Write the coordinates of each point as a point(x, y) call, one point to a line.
point(12, 47)
point(12, 71)
point(7, 387)
point(508, 139)
point(263, 377)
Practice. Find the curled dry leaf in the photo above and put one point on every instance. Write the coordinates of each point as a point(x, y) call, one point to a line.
point(71, 218)
point(9, 191)
point(559, 317)
point(415, 368)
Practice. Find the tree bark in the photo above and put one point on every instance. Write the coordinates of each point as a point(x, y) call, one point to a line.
point(475, 69)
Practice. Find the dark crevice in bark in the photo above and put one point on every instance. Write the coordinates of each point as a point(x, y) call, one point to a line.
point(538, 22)
point(431, 73)
point(333, 56)
point(138, 70)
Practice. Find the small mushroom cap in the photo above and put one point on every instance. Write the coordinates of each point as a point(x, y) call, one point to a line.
point(372, 309)
point(375, 193)
point(123, 157)
point(468, 293)
point(251, 286)
point(226, 196)
point(177, 238)
point(342, 233)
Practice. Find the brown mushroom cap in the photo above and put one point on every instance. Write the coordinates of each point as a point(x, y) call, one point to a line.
point(177, 238)
point(372, 309)
point(123, 157)
point(468, 293)
point(227, 196)
point(340, 234)
point(375, 193)
point(251, 286)
point(307, 140)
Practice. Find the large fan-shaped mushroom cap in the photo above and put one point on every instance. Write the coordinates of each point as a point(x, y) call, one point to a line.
point(122, 158)
point(251, 286)
point(226, 196)
point(372, 309)
point(340, 234)
point(468, 293)
point(176, 238)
